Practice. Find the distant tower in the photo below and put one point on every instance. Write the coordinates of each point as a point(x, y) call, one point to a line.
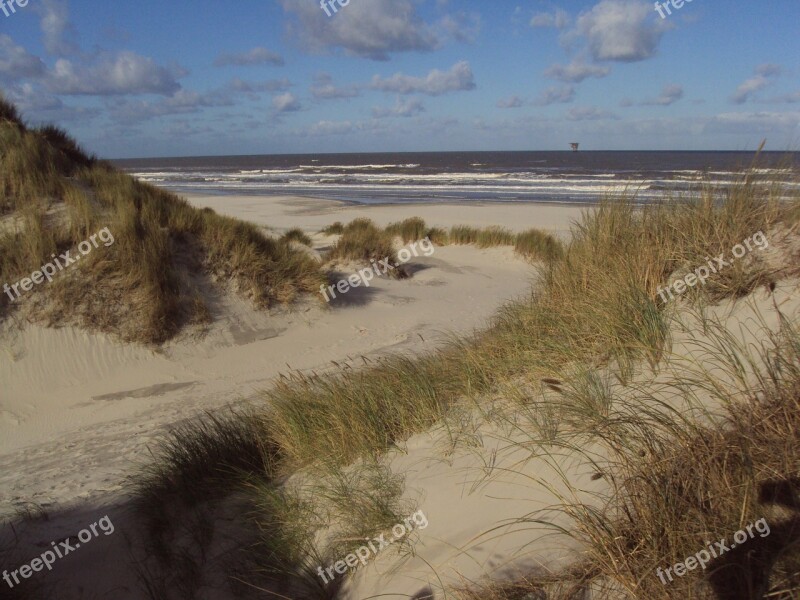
point(574, 146)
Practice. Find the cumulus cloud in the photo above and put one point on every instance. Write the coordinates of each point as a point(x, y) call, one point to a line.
point(254, 87)
point(283, 103)
point(764, 75)
point(620, 30)
point(39, 106)
point(576, 71)
point(323, 88)
point(513, 102)
point(180, 103)
point(124, 73)
point(331, 128)
point(16, 62)
point(563, 94)
point(256, 56)
point(589, 113)
point(372, 29)
point(57, 31)
point(403, 108)
point(458, 78)
point(669, 95)
point(559, 19)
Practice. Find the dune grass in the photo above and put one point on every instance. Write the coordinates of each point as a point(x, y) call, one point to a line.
point(596, 306)
point(144, 287)
point(439, 236)
point(409, 230)
point(532, 244)
point(297, 235)
point(336, 228)
point(362, 240)
point(681, 475)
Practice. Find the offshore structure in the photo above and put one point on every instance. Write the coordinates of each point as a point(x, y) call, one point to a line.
point(574, 146)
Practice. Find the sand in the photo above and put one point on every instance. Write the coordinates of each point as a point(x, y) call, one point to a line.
point(78, 410)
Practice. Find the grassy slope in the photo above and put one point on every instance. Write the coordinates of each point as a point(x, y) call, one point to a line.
point(144, 287)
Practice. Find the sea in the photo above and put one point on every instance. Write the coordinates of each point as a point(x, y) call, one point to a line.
point(542, 177)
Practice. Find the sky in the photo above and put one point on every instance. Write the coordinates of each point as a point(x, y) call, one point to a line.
point(209, 77)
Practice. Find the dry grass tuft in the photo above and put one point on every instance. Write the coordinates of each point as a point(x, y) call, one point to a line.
point(409, 230)
point(297, 235)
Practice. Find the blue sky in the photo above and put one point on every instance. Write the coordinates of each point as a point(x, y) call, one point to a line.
point(203, 77)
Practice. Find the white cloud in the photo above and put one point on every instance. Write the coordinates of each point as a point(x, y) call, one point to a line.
point(576, 71)
point(256, 56)
point(287, 102)
point(57, 31)
point(669, 95)
point(124, 73)
point(513, 102)
point(402, 108)
point(331, 128)
point(252, 88)
point(755, 123)
point(324, 88)
point(182, 102)
point(16, 62)
point(764, 75)
point(556, 95)
point(370, 29)
point(620, 30)
point(589, 113)
point(458, 78)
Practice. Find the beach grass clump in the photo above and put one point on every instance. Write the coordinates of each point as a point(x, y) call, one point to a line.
point(9, 112)
point(297, 235)
point(409, 230)
point(362, 240)
point(464, 234)
point(537, 245)
point(438, 236)
point(489, 237)
point(336, 228)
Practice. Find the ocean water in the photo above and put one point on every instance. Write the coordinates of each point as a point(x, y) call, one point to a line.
point(390, 178)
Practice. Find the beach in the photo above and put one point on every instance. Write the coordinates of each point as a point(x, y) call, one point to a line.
point(406, 299)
